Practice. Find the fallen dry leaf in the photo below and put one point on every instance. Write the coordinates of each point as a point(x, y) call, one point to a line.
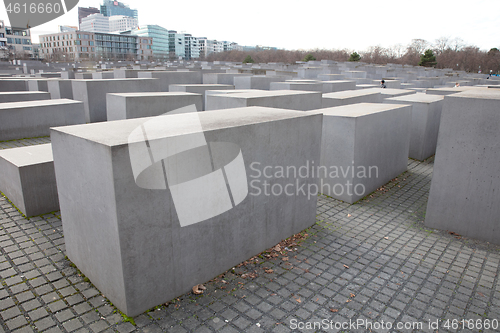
point(269, 271)
point(349, 215)
point(334, 310)
point(352, 295)
point(284, 258)
point(198, 289)
point(346, 266)
point(386, 237)
point(298, 300)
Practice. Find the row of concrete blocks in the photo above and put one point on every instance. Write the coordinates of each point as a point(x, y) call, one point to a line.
point(142, 243)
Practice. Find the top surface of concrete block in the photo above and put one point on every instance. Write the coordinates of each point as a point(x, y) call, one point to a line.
point(30, 155)
point(100, 132)
point(34, 104)
point(390, 91)
point(417, 98)
point(267, 93)
point(154, 94)
point(482, 93)
point(358, 110)
point(351, 93)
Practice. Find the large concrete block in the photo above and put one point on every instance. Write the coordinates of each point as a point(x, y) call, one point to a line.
point(426, 115)
point(363, 147)
point(464, 193)
point(302, 86)
point(34, 118)
point(351, 97)
point(38, 85)
point(338, 85)
point(102, 75)
point(199, 88)
point(93, 93)
point(67, 75)
point(257, 81)
point(60, 89)
point(221, 78)
point(13, 85)
point(283, 99)
point(331, 77)
point(83, 76)
point(389, 92)
point(23, 96)
point(125, 73)
point(448, 91)
point(133, 242)
point(27, 178)
point(137, 105)
point(166, 78)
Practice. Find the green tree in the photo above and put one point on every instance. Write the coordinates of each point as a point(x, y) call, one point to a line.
point(354, 57)
point(248, 59)
point(309, 57)
point(428, 59)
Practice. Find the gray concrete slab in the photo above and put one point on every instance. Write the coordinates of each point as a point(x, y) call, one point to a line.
point(137, 105)
point(34, 118)
point(60, 89)
point(93, 93)
point(128, 239)
point(301, 86)
point(389, 92)
point(351, 97)
point(338, 85)
point(166, 78)
point(199, 88)
point(426, 116)
point(222, 78)
point(7, 84)
point(23, 96)
point(27, 178)
point(283, 99)
point(355, 158)
point(257, 81)
point(464, 192)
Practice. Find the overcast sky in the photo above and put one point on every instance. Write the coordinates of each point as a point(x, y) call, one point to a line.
point(353, 25)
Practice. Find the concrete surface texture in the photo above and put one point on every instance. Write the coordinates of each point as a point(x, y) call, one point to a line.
point(140, 255)
point(199, 88)
point(166, 78)
point(426, 116)
point(351, 97)
point(464, 192)
point(302, 86)
point(23, 96)
point(260, 82)
point(60, 89)
point(34, 118)
point(137, 105)
point(355, 158)
point(93, 93)
point(284, 99)
point(27, 178)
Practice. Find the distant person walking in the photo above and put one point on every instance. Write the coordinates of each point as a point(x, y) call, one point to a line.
point(382, 84)
point(457, 85)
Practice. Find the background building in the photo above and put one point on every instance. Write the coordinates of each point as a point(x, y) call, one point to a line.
point(161, 39)
point(122, 23)
point(82, 45)
point(95, 23)
point(16, 41)
point(110, 8)
point(86, 11)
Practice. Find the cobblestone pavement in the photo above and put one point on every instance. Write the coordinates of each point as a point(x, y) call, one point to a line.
point(370, 261)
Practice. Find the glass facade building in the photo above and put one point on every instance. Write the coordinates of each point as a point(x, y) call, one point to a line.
point(161, 39)
point(110, 8)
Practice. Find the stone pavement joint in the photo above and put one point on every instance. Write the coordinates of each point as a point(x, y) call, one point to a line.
point(374, 260)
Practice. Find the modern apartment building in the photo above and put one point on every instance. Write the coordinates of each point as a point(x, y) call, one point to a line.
point(122, 23)
point(82, 45)
point(111, 7)
point(95, 23)
point(86, 11)
point(108, 24)
point(17, 41)
point(161, 39)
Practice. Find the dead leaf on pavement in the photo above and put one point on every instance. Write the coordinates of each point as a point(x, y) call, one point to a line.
point(334, 310)
point(198, 289)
